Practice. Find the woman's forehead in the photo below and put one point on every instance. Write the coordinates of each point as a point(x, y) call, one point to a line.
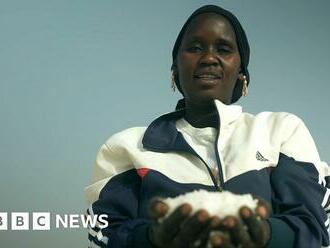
point(204, 23)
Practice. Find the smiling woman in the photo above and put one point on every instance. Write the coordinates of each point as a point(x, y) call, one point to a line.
point(210, 144)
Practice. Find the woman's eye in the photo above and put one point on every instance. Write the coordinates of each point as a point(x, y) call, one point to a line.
point(224, 49)
point(195, 48)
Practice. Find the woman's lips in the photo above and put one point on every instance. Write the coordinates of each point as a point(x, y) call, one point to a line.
point(207, 76)
point(207, 79)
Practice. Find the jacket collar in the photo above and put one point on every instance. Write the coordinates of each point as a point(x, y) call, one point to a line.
point(162, 134)
point(227, 113)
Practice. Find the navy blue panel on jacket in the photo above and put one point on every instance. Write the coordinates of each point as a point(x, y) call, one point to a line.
point(298, 201)
point(119, 199)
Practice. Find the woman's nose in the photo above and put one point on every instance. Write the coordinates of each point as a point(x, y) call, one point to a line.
point(210, 57)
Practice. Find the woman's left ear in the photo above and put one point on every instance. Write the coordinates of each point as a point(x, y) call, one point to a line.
point(243, 79)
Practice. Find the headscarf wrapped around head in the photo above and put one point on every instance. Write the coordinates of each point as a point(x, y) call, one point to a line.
point(241, 39)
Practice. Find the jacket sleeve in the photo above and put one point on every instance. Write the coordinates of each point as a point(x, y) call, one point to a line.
point(301, 195)
point(114, 192)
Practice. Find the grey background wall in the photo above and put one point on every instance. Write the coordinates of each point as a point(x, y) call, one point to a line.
point(74, 72)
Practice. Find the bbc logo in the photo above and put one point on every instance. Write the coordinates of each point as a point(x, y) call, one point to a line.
point(21, 221)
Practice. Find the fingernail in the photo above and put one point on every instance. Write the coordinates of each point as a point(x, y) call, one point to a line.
point(215, 221)
point(202, 216)
point(230, 222)
point(161, 209)
point(186, 209)
point(262, 212)
point(245, 212)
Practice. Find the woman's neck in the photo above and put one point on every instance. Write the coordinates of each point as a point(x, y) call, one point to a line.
point(202, 116)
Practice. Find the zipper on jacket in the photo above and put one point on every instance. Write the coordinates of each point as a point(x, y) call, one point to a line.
point(220, 182)
point(191, 151)
point(217, 184)
point(217, 156)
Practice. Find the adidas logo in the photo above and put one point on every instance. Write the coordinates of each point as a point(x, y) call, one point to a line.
point(260, 157)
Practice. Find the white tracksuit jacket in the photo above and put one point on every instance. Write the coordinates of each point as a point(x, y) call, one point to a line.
point(271, 155)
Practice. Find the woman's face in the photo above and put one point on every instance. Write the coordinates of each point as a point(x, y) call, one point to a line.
point(208, 61)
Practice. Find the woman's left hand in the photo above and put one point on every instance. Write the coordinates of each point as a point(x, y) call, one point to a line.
point(252, 232)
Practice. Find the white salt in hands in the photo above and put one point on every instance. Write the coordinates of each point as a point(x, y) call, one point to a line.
point(219, 204)
point(209, 219)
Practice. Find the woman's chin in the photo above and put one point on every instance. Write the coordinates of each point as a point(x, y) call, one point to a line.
point(207, 98)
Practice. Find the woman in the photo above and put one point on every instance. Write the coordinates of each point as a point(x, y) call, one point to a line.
point(207, 143)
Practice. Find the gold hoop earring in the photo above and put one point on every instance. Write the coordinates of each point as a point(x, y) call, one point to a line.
point(173, 84)
point(245, 89)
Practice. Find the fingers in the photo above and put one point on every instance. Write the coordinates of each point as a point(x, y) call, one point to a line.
point(179, 228)
point(257, 227)
point(263, 208)
point(252, 231)
point(158, 209)
point(172, 224)
point(252, 222)
point(238, 232)
point(220, 239)
point(166, 231)
point(191, 229)
point(203, 238)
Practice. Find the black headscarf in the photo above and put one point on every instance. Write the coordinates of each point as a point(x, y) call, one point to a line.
point(241, 39)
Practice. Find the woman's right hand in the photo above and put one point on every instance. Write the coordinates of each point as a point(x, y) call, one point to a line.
point(180, 228)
